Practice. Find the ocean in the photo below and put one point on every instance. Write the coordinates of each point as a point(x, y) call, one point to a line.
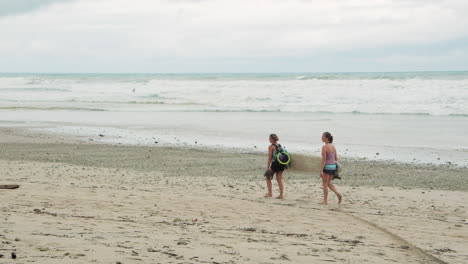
point(414, 117)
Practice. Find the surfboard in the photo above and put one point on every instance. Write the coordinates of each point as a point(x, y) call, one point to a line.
point(9, 186)
point(305, 163)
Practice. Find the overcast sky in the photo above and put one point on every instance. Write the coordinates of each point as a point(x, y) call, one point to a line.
point(233, 35)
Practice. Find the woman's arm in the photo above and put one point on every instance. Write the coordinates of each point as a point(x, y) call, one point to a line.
point(270, 153)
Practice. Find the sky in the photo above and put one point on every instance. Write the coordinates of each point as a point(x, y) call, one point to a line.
point(190, 36)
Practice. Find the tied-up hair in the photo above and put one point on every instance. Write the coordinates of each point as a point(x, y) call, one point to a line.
point(328, 136)
point(274, 137)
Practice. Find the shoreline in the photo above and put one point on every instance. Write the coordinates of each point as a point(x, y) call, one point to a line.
point(19, 144)
point(92, 202)
point(247, 131)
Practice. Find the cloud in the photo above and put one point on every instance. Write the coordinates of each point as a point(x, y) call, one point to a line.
point(151, 32)
point(14, 7)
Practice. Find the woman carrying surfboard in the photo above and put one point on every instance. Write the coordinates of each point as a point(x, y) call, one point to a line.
point(274, 167)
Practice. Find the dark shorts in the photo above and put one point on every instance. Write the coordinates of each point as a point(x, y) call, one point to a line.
point(275, 166)
point(331, 172)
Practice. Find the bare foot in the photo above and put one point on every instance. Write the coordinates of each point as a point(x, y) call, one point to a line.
point(340, 197)
point(267, 195)
point(279, 197)
point(323, 203)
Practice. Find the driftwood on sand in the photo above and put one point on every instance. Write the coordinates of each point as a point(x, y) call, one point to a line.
point(9, 186)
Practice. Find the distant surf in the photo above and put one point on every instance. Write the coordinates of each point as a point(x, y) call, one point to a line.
point(413, 93)
point(409, 117)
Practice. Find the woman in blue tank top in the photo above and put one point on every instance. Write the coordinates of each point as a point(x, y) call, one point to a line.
point(328, 168)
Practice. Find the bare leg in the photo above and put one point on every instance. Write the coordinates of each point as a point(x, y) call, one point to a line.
point(279, 179)
point(325, 182)
point(333, 188)
point(268, 181)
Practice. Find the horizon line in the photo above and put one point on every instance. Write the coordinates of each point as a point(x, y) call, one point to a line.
point(292, 72)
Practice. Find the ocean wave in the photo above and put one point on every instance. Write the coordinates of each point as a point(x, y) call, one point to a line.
point(319, 112)
point(237, 111)
point(292, 112)
point(151, 96)
point(386, 113)
point(191, 107)
point(49, 108)
point(456, 75)
point(155, 96)
point(34, 89)
point(144, 102)
point(37, 78)
point(435, 94)
point(116, 102)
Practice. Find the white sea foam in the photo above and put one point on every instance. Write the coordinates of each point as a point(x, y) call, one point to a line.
point(401, 116)
point(361, 94)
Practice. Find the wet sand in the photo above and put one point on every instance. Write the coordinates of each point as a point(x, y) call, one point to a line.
point(97, 203)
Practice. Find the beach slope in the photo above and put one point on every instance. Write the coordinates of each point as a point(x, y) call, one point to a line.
point(91, 203)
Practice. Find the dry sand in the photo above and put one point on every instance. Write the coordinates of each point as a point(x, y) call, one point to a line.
point(92, 203)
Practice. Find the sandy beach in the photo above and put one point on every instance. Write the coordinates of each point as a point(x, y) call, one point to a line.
point(98, 203)
point(139, 132)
